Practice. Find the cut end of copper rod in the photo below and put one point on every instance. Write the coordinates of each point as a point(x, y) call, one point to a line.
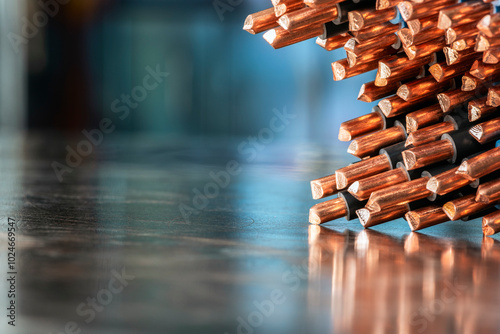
point(425, 217)
point(493, 96)
point(327, 211)
point(369, 218)
point(491, 223)
point(323, 187)
point(428, 154)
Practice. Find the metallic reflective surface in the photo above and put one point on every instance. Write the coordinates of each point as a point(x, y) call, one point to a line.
point(245, 261)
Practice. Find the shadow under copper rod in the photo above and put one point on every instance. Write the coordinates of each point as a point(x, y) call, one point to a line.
point(491, 223)
point(260, 21)
point(426, 217)
point(369, 218)
point(464, 206)
point(488, 192)
point(481, 165)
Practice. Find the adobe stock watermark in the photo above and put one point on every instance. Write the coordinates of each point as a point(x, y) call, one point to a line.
point(121, 107)
point(88, 310)
point(31, 27)
point(249, 150)
point(428, 313)
point(223, 6)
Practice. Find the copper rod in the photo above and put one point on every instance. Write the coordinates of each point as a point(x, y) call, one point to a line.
point(423, 117)
point(399, 194)
point(470, 82)
point(485, 71)
point(408, 38)
point(321, 3)
point(370, 144)
point(260, 21)
point(463, 207)
point(493, 98)
point(327, 211)
point(370, 92)
point(419, 25)
point(370, 45)
point(491, 223)
point(384, 4)
point(490, 25)
point(324, 187)
point(484, 42)
point(426, 217)
point(479, 109)
point(341, 69)
point(428, 154)
point(488, 192)
point(487, 131)
point(360, 126)
point(459, 32)
point(394, 105)
point(334, 42)
point(369, 218)
point(429, 134)
point(381, 29)
point(446, 182)
point(491, 56)
point(284, 8)
point(442, 71)
point(480, 165)
point(308, 17)
point(411, 11)
point(451, 99)
point(358, 19)
point(425, 49)
point(362, 169)
point(454, 56)
point(394, 65)
point(362, 189)
point(279, 37)
point(422, 87)
point(462, 13)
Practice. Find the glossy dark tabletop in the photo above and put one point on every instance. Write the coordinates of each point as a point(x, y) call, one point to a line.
point(126, 244)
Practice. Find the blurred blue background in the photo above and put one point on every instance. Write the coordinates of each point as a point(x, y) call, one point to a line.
point(223, 81)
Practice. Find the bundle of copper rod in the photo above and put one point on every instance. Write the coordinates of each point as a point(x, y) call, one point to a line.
point(428, 149)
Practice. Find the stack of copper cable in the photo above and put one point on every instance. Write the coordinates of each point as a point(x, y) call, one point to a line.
point(427, 150)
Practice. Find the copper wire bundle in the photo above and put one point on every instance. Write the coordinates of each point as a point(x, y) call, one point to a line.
point(428, 150)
